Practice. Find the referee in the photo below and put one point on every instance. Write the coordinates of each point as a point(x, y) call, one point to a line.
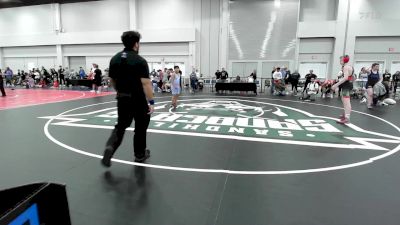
point(3, 93)
point(129, 75)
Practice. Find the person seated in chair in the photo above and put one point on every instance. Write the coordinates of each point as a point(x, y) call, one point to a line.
point(279, 84)
point(312, 90)
point(326, 89)
point(237, 80)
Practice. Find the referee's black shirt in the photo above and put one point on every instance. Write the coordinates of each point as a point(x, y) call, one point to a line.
point(126, 69)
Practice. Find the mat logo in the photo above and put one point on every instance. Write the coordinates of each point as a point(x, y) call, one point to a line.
point(243, 120)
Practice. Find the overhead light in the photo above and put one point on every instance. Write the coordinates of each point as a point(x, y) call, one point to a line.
point(233, 36)
point(289, 47)
point(277, 3)
point(268, 34)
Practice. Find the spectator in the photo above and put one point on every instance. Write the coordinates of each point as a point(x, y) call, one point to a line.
point(54, 74)
point(46, 76)
point(198, 73)
point(363, 76)
point(218, 75)
point(23, 76)
point(193, 81)
point(294, 80)
point(154, 80)
point(166, 83)
point(237, 80)
point(396, 81)
point(160, 80)
point(254, 75)
point(97, 81)
point(373, 78)
point(61, 75)
point(311, 90)
point(326, 88)
point(278, 83)
point(31, 81)
point(3, 92)
point(153, 73)
point(176, 86)
point(82, 73)
point(308, 79)
point(224, 75)
point(386, 82)
point(272, 80)
point(286, 77)
point(9, 75)
point(36, 76)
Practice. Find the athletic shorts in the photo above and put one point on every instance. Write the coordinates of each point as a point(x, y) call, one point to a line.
point(346, 92)
point(363, 84)
point(175, 91)
point(370, 84)
point(97, 82)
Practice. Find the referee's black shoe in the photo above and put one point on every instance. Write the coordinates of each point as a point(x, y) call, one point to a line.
point(108, 153)
point(144, 157)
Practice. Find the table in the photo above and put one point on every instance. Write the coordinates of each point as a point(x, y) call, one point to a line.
point(236, 87)
point(80, 82)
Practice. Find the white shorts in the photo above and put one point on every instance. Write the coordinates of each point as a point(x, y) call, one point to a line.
point(175, 90)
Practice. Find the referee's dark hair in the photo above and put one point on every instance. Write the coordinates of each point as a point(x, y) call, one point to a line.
point(130, 38)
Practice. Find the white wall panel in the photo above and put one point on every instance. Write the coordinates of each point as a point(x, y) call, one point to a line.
point(47, 62)
point(27, 63)
point(395, 66)
point(26, 20)
point(1, 58)
point(14, 63)
point(102, 61)
point(156, 14)
point(34, 51)
point(317, 59)
point(377, 45)
point(30, 63)
point(367, 10)
point(384, 58)
point(209, 36)
point(164, 49)
point(319, 69)
point(66, 62)
point(205, 39)
point(77, 61)
point(318, 10)
point(112, 49)
point(316, 29)
point(95, 16)
point(316, 45)
point(91, 50)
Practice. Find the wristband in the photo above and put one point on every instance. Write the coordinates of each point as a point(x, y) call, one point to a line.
point(151, 102)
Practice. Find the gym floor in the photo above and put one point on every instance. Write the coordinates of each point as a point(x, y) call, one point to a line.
point(217, 160)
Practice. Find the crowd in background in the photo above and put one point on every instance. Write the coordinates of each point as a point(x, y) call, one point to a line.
point(52, 77)
point(370, 86)
point(283, 81)
point(162, 80)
